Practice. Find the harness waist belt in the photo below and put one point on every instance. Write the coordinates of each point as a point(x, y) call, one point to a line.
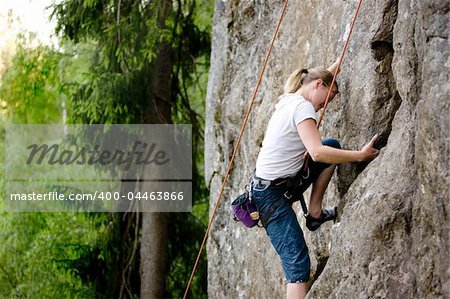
point(290, 195)
point(277, 183)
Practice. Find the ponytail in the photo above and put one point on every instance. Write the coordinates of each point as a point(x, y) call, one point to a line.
point(304, 76)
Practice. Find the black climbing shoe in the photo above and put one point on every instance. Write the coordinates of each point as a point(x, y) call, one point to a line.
point(328, 214)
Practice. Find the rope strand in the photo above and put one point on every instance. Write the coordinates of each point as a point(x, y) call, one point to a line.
point(236, 148)
point(306, 156)
point(339, 63)
point(247, 115)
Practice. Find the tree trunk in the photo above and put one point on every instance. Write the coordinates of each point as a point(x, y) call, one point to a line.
point(154, 225)
point(153, 251)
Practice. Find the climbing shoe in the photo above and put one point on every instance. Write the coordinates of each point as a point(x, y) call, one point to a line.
point(328, 214)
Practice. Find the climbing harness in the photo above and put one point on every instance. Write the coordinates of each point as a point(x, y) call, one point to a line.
point(236, 147)
point(247, 115)
point(246, 211)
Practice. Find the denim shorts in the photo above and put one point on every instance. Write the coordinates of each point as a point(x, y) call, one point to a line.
point(283, 228)
point(285, 235)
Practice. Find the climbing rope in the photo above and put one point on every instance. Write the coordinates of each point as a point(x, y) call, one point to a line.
point(339, 63)
point(244, 124)
point(306, 157)
point(236, 148)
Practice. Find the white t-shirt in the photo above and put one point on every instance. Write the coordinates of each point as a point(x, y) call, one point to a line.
point(281, 154)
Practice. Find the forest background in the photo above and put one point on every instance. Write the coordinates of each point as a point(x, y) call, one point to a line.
point(114, 62)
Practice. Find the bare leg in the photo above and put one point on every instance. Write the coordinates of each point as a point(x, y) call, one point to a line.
point(318, 190)
point(296, 290)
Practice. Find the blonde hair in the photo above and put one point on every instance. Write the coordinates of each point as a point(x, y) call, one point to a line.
point(304, 76)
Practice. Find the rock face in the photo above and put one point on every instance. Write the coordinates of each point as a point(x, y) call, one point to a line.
point(392, 238)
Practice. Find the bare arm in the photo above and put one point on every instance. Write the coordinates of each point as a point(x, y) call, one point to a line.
point(321, 153)
point(332, 68)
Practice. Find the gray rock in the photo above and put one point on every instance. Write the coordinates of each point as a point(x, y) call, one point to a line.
point(392, 238)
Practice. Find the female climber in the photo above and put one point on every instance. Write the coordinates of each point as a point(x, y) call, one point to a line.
point(290, 132)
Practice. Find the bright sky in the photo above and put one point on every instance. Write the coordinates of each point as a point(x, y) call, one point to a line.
point(32, 17)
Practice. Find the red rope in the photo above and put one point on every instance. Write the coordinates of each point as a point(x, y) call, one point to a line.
point(306, 157)
point(236, 147)
point(245, 124)
point(339, 64)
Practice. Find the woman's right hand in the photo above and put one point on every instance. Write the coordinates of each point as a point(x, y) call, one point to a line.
point(368, 152)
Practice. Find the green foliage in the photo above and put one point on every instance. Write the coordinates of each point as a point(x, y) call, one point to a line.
point(109, 65)
point(2, 160)
point(127, 34)
point(192, 23)
point(106, 99)
point(182, 253)
point(43, 254)
point(120, 80)
point(119, 83)
point(106, 71)
point(31, 87)
point(76, 60)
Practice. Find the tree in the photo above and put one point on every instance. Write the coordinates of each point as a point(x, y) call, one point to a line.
point(66, 249)
point(31, 87)
point(147, 55)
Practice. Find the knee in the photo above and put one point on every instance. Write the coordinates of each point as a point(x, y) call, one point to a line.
point(331, 142)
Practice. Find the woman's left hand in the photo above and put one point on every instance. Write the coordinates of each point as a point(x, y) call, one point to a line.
point(332, 68)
